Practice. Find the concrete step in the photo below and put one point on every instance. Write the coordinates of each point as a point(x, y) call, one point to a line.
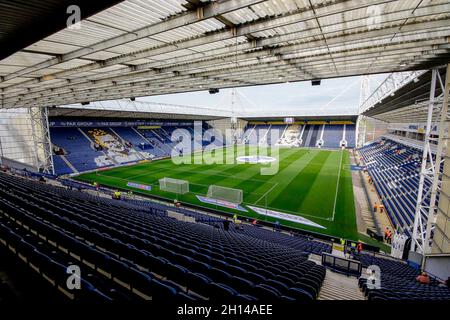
point(340, 287)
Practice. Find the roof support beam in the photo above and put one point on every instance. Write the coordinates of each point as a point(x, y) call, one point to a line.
point(316, 61)
point(265, 24)
point(208, 11)
point(285, 49)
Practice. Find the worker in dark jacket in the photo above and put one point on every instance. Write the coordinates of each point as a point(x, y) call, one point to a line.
point(226, 224)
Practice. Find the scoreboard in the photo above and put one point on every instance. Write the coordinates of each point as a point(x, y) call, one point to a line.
point(289, 120)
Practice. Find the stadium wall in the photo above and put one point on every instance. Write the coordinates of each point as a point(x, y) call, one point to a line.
point(441, 239)
point(438, 265)
point(16, 140)
point(10, 163)
point(375, 129)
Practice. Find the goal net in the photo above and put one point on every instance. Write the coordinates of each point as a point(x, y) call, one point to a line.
point(174, 185)
point(226, 194)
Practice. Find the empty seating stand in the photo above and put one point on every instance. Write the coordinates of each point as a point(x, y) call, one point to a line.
point(262, 134)
point(80, 152)
point(398, 282)
point(394, 169)
point(332, 135)
point(131, 252)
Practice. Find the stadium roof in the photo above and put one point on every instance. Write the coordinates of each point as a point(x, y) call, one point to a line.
point(300, 114)
point(143, 48)
point(413, 143)
point(24, 22)
point(138, 109)
point(409, 103)
point(308, 117)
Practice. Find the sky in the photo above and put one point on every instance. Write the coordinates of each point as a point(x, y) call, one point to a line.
point(339, 94)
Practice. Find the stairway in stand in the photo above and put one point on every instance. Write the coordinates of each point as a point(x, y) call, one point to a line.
point(340, 287)
point(337, 286)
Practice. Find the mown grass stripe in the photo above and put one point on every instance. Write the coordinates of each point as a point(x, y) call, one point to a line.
point(303, 173)
point(299, 185)
point(322, 186)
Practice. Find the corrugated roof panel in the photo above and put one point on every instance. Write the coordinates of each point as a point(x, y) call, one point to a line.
point(46, 46)
point(172, 54)
point(190, 31)
point(174, 35)
point(110, 69)
point(6, 69)
point(80, 75)
point(25, 59)
point(89, 33)
point(72, 64)
point(270, 8)
point(52, 82)
point(270, 22)
point(265, 33)
point(101, 55)
point(135, 14)
point(220, 44)
point(13, 81)
point(140, 61)
point(301, 26)
point(136, 46)
point(241, 16)
point(42, 72)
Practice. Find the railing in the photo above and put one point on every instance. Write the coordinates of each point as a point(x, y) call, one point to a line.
point(341, 265)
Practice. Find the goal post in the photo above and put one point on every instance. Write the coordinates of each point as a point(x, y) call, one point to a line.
point(225, 194)
point(174, 185)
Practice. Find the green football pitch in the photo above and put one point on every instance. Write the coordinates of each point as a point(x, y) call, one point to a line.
point(311, 183)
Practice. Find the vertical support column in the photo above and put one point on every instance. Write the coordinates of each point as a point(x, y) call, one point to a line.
point(41, 139)
point(361, 125)
point(425, 215)
point(442, 144)
point(441, 237)
point(418, 237)
point(1, 147)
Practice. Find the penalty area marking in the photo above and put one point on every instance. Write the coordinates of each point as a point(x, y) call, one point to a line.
point(214, 172)
point(154, 182)
point(337, 186)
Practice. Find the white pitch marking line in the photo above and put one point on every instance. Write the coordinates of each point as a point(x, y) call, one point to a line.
point(337, 186)
point(266, 193)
